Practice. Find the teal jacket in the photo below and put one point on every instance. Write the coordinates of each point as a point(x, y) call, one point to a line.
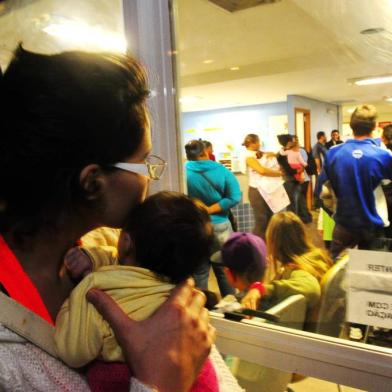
point(223, 179)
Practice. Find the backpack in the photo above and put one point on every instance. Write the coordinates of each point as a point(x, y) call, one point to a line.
point(311, 169)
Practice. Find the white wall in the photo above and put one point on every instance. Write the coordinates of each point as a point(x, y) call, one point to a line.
point(323, 115)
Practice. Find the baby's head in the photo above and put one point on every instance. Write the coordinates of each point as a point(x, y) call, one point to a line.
point(244, 258)
point(167, 234)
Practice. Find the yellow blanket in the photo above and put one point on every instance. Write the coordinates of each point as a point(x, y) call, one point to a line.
point(81, 333)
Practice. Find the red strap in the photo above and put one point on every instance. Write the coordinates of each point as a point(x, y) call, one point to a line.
point(18, 284)
point(259, 286)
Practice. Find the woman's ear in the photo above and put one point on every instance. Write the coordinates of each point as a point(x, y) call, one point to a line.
point(92, 181)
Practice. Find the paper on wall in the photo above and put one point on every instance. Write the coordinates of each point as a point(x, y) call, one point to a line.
point(369, 295)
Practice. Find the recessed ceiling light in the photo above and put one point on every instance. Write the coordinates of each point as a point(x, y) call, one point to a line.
point(371, 80)
point(234, 68)
point(208, 61)
point(374, 30)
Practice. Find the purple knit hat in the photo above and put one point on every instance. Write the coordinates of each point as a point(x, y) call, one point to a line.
point(242, 249)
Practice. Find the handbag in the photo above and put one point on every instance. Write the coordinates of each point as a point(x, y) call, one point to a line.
point(230, 215)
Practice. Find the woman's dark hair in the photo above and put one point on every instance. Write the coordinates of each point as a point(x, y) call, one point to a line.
point(250, 138)
point(387, 134)
point(320, 134)
point(194, 149)
point(207, 144)
point(284, 138)
point(171, 235)
point(59, 113)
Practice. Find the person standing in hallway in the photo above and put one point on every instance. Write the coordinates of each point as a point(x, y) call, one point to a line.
point(319, 150)
point(216, 187)
point(261, 211)
point(356, 170)
point(335, 139)
point(301, 207)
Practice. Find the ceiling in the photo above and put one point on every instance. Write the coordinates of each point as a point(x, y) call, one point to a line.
point(302, 47)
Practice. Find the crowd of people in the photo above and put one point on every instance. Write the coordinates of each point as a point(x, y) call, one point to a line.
point(353, 189)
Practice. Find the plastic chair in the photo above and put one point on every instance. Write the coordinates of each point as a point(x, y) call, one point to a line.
point(332, 308)
point(254, 378)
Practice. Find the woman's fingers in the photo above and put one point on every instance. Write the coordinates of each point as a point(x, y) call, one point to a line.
point(168, 349)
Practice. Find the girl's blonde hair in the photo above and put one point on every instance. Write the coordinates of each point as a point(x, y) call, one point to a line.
point(288, 243)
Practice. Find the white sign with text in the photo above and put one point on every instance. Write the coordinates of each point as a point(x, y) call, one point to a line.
point(369, 294)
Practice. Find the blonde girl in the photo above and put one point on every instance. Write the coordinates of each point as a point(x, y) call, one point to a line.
point(298, 264)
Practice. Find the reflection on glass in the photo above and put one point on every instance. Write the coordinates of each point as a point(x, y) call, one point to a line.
point(246, 72)
point(50, 26)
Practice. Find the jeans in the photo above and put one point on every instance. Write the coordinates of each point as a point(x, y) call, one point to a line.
point(261, 212)
point(370, 239)
point(297, 195)
point(221, 232)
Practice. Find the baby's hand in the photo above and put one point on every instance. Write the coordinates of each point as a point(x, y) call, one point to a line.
point(77, 263)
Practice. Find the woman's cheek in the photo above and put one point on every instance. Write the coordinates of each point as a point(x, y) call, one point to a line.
point(144, 189)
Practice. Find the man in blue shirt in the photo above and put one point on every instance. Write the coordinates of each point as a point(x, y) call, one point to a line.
point(319, 150)
point(356, 170)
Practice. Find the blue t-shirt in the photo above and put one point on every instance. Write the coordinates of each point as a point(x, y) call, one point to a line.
point(355, 169)
point(219, 178)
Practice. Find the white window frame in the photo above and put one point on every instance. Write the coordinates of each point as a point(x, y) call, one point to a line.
point(149, 33)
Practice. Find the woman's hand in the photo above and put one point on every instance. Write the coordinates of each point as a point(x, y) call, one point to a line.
point(251, 299)
point(168, 349)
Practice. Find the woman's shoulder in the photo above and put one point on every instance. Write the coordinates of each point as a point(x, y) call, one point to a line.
point(24, 367)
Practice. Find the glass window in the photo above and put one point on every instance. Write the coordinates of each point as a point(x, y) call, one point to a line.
point(294, 67)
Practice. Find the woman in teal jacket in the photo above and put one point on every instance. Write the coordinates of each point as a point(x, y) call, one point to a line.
point(217, 188)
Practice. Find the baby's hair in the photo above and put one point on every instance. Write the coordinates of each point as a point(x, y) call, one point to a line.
point(172, 236)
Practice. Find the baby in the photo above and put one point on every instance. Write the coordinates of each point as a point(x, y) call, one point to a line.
point(295, 160)
point(164, 242)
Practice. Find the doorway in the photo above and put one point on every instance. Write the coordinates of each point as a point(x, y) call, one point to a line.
point(302, 131)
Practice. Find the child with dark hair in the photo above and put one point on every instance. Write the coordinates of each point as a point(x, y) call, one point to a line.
point(165, 240)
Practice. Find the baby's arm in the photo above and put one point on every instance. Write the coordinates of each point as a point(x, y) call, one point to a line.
point(78, 263)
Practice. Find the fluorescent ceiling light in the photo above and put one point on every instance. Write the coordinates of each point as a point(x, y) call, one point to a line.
point(371, 80)
point(350, 110)
point(208, 61)
point(388, 99)
point(234, 68)
point(81, 34)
